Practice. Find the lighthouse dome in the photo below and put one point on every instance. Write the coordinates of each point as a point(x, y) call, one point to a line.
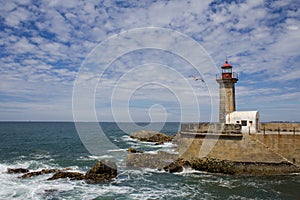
point(226, 65)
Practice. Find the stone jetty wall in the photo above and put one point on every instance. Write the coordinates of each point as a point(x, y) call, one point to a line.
point(203, 127)
point(211, 128)
point(269, 148)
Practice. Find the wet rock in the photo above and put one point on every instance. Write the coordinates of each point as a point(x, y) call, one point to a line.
point(102, 171)
point(159, 143)
point(151, 136)
point(132, 150)
point(70, 175)
point(213, 165)
point(44, 171)
point(177, 166)
point(149, 160)
point(17, 170)
point(261, 168)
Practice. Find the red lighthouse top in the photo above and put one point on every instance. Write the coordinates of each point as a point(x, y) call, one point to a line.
point(226, 65)
point(227, 71)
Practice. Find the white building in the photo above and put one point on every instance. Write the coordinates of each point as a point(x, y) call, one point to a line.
point(248, 119)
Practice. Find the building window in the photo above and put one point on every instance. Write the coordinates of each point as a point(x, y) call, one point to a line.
point(244, 122)
point(227, 70)
point(237, 122)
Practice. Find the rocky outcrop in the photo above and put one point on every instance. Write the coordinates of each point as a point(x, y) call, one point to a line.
point(102, 171)
point(213, 165)
point(242, 168)
point(177, 166)
point(171, 163)
point(17, 170)
point(263, 168)
point(41, 172)
point(148, 160)
point(151, 136)
point(70, 175)
point(132, 150)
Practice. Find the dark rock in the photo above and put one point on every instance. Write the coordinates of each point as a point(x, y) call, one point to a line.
point(44, 171)
point(151, 136)
point(70, 175)
point(177, 166)
point(16, 170)
point(132, 150)
point(102, 171)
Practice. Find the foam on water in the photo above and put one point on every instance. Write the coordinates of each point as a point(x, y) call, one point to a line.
point(128, 138)
point(59, 150)
point(38, 187)
point(117, 150)
point(99, 157)
point(130, 184)
point(188, 170)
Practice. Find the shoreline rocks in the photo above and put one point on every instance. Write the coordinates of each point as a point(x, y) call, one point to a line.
point(151, 136)
point(101, 172)
point(17, 170)
point(70, 175)
point(177, 166)
point(132, 150)
point(172, 164)
point(149, 160)
point(37, 173)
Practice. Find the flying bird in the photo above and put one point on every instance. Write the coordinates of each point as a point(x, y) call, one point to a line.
point(197, 78)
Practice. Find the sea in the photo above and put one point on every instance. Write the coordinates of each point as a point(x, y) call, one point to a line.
point(47, 145)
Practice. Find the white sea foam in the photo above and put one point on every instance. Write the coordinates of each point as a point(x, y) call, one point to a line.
point(117, 150)
point(128, 138)
point(100, 157)
point(38, 187)
point(188, 170)
point(152, 152)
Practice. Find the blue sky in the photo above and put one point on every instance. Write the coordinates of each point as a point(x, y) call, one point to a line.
point(44, 44)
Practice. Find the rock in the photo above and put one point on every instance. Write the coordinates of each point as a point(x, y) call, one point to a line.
point(151, 136)
point(44, 171)
point(17, 170)
point(149, 160)
point(132, 150)
point(213, 165)
point(159, 143)
point(71, 175)
point(102, 171)
point(177, 166)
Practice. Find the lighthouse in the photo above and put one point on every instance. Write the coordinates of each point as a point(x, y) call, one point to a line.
point(227, 82)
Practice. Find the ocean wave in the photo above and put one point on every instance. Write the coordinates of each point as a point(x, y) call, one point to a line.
point(128, 138)
point(100, 157)
point(117, 150)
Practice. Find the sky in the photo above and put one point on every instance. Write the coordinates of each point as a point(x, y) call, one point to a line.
point(133, 60)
